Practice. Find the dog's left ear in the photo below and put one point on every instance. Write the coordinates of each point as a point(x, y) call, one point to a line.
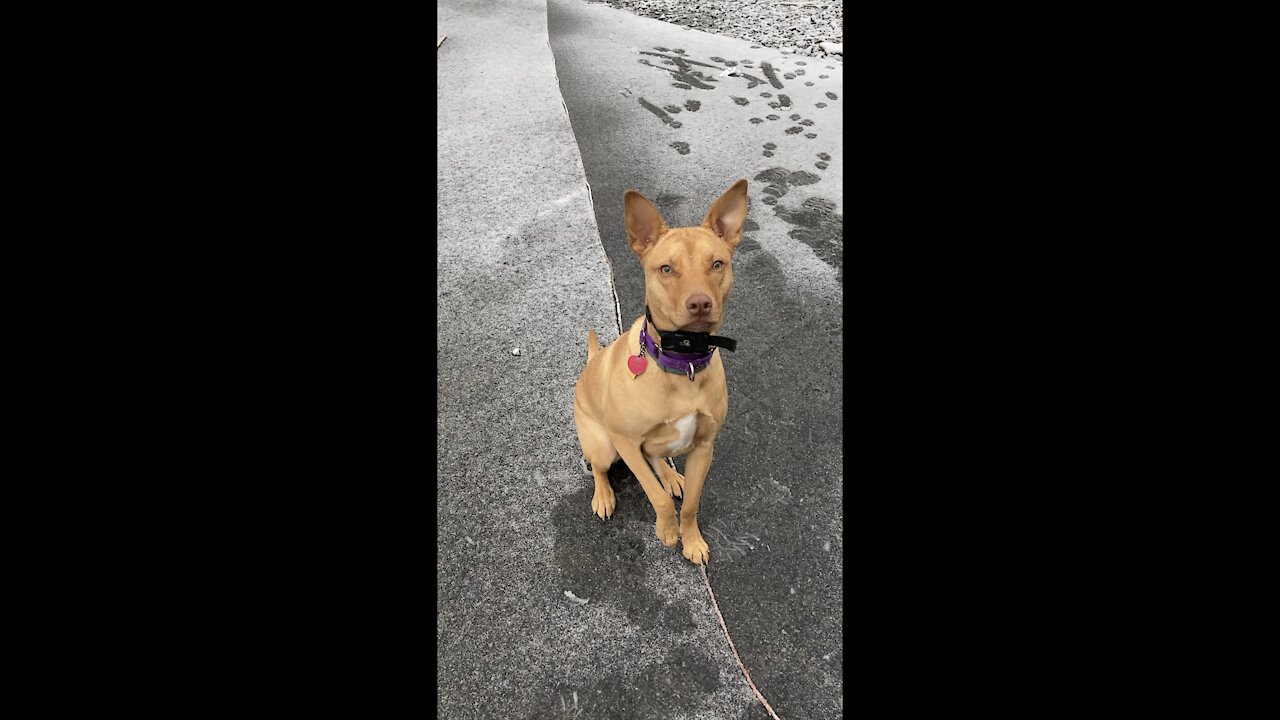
point(727, 214)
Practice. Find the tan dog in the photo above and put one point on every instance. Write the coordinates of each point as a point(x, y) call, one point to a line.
point(646, 417)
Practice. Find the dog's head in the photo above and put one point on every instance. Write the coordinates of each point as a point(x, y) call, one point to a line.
point(688, 271)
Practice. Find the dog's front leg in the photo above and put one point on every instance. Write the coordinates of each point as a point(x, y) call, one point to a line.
point(696, 465)
point(666, 529)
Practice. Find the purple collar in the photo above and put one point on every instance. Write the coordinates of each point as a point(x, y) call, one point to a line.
point(677, 363)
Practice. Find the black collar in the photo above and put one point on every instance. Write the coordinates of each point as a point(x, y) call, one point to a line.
point(689, 342)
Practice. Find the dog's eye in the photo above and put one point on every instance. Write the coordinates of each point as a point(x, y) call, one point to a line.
point(717, 265)
point(666, 269)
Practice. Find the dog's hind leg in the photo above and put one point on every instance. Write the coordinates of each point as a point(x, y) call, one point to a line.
point(599, 451)
point(603, 500)
point(667, 530)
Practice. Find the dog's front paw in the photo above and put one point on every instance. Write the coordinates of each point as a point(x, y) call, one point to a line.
point(667, 531)
point(672, 481)
point(695, 548)
point(603, 502)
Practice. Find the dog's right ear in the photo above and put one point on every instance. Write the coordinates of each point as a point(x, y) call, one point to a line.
point(644, 222)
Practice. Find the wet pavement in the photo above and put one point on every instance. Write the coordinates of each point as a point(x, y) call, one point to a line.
point(653, 109)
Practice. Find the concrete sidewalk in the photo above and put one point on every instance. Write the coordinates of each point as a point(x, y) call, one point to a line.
point(520, 264)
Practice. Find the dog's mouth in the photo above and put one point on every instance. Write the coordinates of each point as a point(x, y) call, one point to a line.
point(698, 326)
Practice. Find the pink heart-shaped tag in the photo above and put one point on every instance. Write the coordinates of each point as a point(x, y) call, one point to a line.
point(636, 365)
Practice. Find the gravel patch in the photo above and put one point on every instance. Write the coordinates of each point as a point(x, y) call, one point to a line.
point(805, 27)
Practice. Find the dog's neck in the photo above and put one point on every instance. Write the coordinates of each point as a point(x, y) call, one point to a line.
point(680, 363)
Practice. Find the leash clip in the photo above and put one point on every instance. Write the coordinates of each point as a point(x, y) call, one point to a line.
point(690, 372)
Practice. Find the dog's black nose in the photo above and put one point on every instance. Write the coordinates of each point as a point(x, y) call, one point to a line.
point(699, 305)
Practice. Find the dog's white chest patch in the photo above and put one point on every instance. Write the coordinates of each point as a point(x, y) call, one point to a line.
point(685, 427)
